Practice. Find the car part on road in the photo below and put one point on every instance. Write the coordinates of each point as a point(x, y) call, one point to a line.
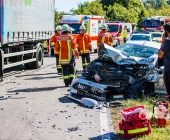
point(89, 102)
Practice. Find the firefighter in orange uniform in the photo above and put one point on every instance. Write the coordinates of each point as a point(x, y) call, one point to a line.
point(83, 43)
point(104, 36)
point(64, 47)
point(53, 41)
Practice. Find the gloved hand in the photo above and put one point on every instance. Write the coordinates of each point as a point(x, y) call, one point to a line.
point(52, 43)
point(77, 54)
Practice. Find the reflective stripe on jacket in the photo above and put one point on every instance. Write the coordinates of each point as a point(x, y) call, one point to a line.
point(83, 43)
point(104, 37)
point(124, 33)
point(64, 47)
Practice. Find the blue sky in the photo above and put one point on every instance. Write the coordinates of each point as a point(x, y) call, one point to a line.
point(66, 5)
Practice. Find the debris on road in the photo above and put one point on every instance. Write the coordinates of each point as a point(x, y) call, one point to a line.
point(63, 111)
point(53, 126)
point(4, 97)
point(73, 128)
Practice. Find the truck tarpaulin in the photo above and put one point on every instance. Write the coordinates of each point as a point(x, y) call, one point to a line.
point(28, 17)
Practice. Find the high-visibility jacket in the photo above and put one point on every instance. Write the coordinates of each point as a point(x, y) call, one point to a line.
point(53, 41)
point(65, 47)
point(124, 33)
point(83, 43)
point(104, 37)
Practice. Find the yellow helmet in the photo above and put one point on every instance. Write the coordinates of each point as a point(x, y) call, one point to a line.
point(65, 27)
point(104, 27)
point(58, 28)
point(82, 27)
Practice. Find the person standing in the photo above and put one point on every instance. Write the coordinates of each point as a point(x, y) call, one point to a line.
point(164, 53)
point(65, 47)
point(53, 41)
point(83, 43)
point(124, 34)
point(104, 37)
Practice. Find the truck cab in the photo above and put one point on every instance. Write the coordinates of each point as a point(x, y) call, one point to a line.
point(115, 28)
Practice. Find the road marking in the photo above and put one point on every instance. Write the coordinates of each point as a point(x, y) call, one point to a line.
point(104, 124)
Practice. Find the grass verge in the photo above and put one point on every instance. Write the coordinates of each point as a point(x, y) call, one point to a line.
point(157, 133)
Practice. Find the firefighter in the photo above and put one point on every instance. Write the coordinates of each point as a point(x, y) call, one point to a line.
point(65, 47)
point(83, 43)
point(124, 34)
point(53, 41)
point(104, 36)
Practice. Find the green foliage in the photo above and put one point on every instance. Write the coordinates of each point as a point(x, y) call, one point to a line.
point(129, 11)
point(57, 15)
point(89, 8)
point(133, 11)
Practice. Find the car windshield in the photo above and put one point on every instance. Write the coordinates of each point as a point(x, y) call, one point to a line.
point(135, 50)
point(153, 23)
point(75, 27)
point(140, 37)
point(113, 28)
point(157, 35)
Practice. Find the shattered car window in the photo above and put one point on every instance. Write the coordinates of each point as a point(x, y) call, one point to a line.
point(135, 50)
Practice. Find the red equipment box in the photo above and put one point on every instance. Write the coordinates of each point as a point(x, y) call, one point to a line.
point(129, 130)
point(134, 114)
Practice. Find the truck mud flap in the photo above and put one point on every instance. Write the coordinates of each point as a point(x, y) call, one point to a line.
point(1, 64)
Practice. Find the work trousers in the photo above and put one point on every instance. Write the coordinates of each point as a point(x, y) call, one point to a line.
point(124, 39)
point(59, 68)
point(166, 78)
point(85, 60)
point(68, 72)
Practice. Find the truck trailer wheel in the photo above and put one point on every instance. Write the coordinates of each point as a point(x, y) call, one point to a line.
point(39, 59)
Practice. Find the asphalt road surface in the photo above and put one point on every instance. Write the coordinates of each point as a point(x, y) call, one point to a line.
point(36, 107)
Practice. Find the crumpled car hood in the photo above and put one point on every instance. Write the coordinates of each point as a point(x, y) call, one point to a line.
point(122, 59)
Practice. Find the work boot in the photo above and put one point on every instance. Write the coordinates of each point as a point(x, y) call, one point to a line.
point(59, 71)
point(67, 82)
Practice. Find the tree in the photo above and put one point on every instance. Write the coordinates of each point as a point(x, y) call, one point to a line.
point(57, 16)
point(89, 8)
point(129, 11)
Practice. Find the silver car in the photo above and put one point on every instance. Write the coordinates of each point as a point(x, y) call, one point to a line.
point(130, 69)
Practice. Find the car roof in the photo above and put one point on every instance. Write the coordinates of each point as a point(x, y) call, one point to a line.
point(146, 43)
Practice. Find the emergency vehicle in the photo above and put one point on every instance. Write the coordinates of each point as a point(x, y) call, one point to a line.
point(115, 28)
point(91, 22)
point(155, 23)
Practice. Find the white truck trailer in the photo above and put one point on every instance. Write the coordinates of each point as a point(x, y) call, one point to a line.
point(24, 26)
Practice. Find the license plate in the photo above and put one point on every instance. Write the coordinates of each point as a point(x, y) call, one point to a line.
point(117, 96)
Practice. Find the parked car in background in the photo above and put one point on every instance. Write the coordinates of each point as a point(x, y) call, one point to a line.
point(141, 36)
point(157, 36)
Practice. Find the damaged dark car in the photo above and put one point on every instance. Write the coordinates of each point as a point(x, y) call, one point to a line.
point(129, 70)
